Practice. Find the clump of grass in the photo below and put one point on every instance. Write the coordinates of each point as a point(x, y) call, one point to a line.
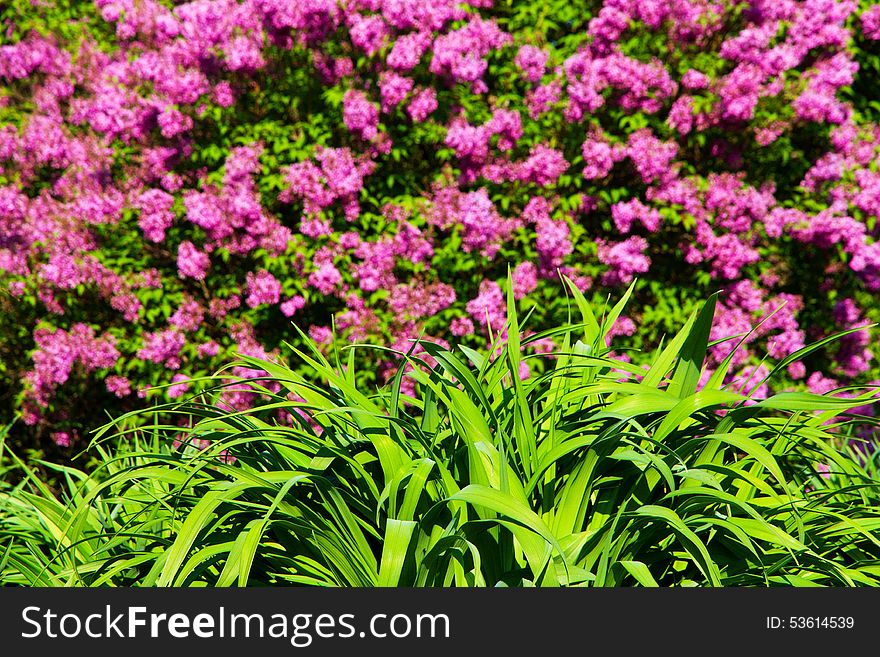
point(594, 473)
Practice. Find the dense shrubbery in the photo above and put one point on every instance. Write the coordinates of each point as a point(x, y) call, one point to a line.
point(586, 475)
point(177, 180)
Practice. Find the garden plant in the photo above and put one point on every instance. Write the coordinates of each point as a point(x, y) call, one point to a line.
point(181, 180)
point(460, 292)
point(596, 473)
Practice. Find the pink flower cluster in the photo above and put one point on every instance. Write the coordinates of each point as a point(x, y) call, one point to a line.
point(59, 354)
point(336, 177)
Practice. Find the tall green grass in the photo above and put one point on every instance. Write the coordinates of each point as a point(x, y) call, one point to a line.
point(589, 474)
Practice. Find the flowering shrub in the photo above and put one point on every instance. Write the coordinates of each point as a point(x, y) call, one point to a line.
point(180, 181)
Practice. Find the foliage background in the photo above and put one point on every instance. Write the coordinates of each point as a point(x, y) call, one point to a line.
point(151, 224)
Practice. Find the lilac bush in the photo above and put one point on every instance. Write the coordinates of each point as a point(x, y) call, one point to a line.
point(181, 181)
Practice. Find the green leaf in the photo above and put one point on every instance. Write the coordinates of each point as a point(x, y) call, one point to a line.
point(686, 374)
point(640, 572)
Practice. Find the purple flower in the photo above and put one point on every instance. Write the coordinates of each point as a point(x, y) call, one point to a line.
point(531, 61)
point(797, 370)
point(321, 334)
point(871, 23)
point(752, 381)
point(461, 326)
point(359, 114)
point(188, 316)
point(118, 385)
point(483, 229)
point(819, 384)
point(180, 387)
point(599, 157)
point(488, 308)
point(325, 279)
point(290, 306)
point(422, 105)
point(626, 213)
point(553, 237)
point(625, 259)
point(393, 88)
point(681, 115)
point(223, 94)
point(338, 178)
point(191, 262)
point(57, 353)
point(156, 216)
point(208, 349)
point(263, 288)
point(543, 166)
point(408, 50)
point(61, 438)
point(459, 54)
point(368, 32)
point(694, 79)
point(163, 347)
point(540, 99)
point(507, 124)
point(651, 157)
point(524, 278)
point(172, 122)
